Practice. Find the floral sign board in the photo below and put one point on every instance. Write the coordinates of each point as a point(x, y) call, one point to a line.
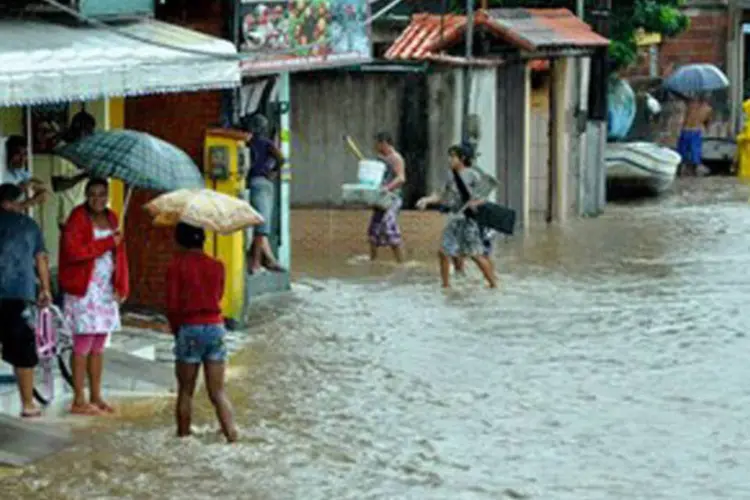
point(299, 35)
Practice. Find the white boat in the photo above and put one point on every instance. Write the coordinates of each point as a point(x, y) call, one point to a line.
point(641, 165)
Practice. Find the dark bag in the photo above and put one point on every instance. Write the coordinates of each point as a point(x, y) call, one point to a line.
point(488, 214)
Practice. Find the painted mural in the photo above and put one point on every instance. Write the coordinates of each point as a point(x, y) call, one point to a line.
point(297, 35)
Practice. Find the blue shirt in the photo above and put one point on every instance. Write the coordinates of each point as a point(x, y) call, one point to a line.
point(262, 160)
point(16, 176)
point(21, 241)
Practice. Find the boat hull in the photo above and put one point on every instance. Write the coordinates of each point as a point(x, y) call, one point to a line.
point(642, 166)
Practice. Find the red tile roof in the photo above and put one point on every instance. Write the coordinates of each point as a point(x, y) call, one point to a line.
point(424, 33)
point(547, 28)
point(525, 29)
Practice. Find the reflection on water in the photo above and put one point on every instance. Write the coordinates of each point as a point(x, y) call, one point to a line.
point(611, 364)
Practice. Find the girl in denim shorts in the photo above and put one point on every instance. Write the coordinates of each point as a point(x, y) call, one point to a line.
point(195, 285)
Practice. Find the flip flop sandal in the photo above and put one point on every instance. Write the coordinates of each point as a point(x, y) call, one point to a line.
point(31, 414)
point(276, 268)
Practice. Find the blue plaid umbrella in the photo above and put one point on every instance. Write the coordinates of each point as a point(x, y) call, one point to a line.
point(140, 160)
point(695, 79)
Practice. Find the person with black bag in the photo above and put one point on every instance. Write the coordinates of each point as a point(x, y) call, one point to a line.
point(462, 236)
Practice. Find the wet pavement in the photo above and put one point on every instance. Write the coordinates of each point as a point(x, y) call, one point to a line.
point(611, 364)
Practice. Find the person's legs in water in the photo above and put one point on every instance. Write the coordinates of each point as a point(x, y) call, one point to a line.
point(82, 345)
point(95, 369)
point(214, 361)
point(373, 232)
point(383, 230)
point(187, 375)
point(445, 268)
point(214, 375)
point(458, 265)
point(488, 271)
point(188, 352)
point(19, 350)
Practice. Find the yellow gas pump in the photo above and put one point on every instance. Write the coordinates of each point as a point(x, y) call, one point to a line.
point(227, 160)
point(743, 146)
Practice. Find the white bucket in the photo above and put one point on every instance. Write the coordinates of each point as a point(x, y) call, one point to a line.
point(371, 172)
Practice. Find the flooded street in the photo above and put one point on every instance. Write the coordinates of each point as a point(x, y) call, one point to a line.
point(612, 363)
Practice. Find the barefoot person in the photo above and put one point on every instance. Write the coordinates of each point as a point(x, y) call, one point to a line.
point(23, 259)
point(195, 286)
point(690, 143)
point(462, 236)
point(94, 280)
point(383, 230)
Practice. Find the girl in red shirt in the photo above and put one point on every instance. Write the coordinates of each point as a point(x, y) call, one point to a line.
point(195, 286)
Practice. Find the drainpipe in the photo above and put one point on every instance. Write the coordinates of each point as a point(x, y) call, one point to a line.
point(467, 70)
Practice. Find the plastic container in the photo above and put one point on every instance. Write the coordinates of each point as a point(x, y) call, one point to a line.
point(371, 173)
point(358, 194)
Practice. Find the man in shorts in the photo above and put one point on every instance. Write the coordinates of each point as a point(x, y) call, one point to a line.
point(23, 260)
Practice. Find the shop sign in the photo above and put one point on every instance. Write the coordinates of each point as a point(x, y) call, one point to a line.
point(298, 35)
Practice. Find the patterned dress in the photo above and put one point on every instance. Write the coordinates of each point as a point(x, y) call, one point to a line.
point(462, 236)
point(383, 230)
point(98, 311)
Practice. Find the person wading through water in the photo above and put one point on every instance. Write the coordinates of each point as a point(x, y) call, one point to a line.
point(690, 144)
point(383, 230)
point(462, 236)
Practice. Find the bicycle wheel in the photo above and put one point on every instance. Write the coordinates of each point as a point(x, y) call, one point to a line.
point(63, 363)
point(44, 386)
point(64, 345)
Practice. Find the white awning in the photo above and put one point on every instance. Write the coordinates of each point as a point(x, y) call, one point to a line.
point(46, 62)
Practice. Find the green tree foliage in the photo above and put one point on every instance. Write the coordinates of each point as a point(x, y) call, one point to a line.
point(652, 16)
point(628, 17)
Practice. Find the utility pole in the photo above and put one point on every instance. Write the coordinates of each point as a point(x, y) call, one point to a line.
point(598, 86)
point(600, 62)
point(467, 70)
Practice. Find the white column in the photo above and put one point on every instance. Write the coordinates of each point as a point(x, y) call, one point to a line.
point(285, 248)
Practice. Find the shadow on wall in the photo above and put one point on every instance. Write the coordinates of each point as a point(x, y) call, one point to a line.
point(665, 128)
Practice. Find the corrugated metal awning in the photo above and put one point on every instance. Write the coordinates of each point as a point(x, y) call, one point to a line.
point(47, 62)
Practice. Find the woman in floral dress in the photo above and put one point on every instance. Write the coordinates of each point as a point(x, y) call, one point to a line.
point(94, 279)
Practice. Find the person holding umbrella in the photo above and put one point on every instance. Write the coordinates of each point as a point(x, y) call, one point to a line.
point(690, 144)
point(693, 83)
point(93, 276)
point(195, 288)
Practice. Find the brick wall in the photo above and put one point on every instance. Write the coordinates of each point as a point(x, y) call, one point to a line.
point(704, 41)
point(180, 119)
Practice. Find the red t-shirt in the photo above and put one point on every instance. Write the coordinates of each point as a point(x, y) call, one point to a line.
point(195, 286)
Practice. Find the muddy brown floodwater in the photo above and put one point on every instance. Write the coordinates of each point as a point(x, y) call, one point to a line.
point(613, 363)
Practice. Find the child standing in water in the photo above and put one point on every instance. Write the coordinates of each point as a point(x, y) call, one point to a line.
point(195, 286)
point(462, 236)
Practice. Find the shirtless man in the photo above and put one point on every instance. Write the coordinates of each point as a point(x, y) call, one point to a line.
point(690, 144)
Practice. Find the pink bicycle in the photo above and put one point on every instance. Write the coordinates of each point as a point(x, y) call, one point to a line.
point(54, 344)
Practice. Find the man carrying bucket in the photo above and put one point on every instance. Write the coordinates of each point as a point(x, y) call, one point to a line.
point(383, 230)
